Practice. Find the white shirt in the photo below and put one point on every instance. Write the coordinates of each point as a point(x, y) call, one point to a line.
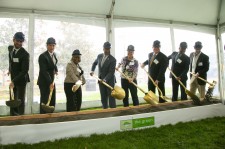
point(194, 62)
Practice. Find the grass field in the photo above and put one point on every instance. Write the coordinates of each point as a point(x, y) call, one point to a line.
point(204, 134)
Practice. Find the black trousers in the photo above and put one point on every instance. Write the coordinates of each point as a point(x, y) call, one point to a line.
point(133, 90)
point(19, 93)
point(106, 98)
point(73, 99)
point(45, 91)
point(176, 85)
point(161, 86)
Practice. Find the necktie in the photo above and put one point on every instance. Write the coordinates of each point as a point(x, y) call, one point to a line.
point(14, 53)
point(53, 58)
point(177, 56)
point(152, 59)
point(103, 60)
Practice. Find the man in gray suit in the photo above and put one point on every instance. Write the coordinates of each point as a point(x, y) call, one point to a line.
point(106, 70)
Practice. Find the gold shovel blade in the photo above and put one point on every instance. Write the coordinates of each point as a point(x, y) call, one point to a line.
point(151, 98)
point(118, 93)
point(195, 98)
point(47, 109)
point(75, 87)
point(13, 103)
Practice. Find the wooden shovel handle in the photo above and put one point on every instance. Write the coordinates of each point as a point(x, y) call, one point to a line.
point(11, 90)
point(50, 95)
point(176, 77)
point(212, 84)
point(110, 87)
point(131, 81)
point(153, 82)
point(11, 93)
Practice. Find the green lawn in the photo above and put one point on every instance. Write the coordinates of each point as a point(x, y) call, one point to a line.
point(204, 134)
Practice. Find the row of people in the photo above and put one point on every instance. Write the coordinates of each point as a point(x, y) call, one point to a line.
point(157, 63)
point(19, 67)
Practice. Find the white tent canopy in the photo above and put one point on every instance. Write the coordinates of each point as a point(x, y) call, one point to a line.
point(190, 11)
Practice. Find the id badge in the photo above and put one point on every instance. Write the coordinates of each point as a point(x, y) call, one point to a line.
point(200, 64)
point(16, 60)
point(179, 60)
point(156, 61)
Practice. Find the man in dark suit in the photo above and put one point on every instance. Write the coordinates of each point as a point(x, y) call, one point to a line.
point(18, 69)
point(199, 64)
point(180, 67)
point(47, 70)
point(106, 70)
point(157, 63)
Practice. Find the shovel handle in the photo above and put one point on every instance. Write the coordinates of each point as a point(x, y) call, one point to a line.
point(11, 90)
point(100, 80)
point(138, 87)
point(212, 84)
point(11, 93)
point(153, 82)
point(50, 95)
point(176, 77)
point(131, 81)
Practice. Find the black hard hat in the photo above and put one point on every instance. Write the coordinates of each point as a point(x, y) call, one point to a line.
point(107, 45)
point(156, 44)
point(183, 45)
point(19, 36)
point(51, 40)
point(130, 48)
point(76, 52)
point(198, 45)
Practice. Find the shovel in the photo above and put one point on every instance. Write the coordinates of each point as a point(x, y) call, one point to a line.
point(195, 98)
point(149, 97)
point(76, 86)
point(117, 92)
point(46, 107)
point(12, 103)
point(161, 95)
point(211, 84)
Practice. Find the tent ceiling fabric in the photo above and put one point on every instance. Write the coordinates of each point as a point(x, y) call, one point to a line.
point(101, 7)
point(193, 11)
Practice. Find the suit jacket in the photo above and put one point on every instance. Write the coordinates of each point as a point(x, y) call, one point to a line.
point(72, 73)
point(180, 66)
point(19, 66)
point(202, 66)
point(47, 69)
point(158, 68)
point(107, 70)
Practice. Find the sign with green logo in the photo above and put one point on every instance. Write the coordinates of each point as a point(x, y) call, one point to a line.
point(126, 124)
point(137, 123)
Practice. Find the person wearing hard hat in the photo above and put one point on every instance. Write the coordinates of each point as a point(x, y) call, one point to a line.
point(157, 63)
point(130, 68)
point(18, 70)
point(106, 72)
point(47, 71)
point(199, 65)
point(73, 81)
point(180, 67)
